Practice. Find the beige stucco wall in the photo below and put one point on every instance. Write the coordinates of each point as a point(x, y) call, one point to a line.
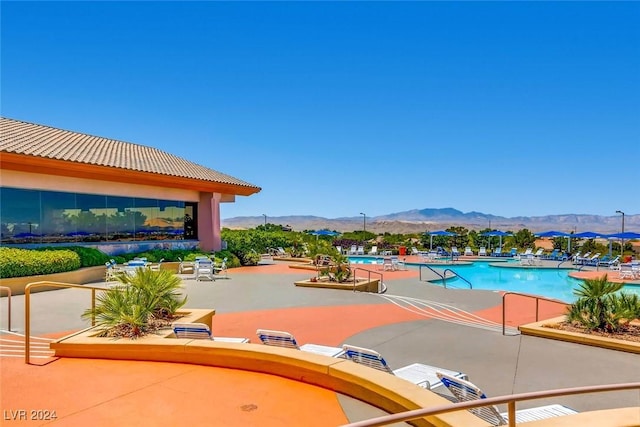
point(17, 179)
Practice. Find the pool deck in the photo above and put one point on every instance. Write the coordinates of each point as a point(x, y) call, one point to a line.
point(406, 324)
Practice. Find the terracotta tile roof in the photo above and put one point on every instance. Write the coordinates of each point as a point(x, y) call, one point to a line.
point(43, 141)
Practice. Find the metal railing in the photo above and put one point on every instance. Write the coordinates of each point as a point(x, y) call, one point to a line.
point(8, 289)
point(443, 276)
point(355, 279)
point(509, 400)
point(537, 298)
point(27, 308)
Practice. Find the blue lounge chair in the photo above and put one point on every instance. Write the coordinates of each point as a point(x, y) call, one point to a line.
point(417, 373)
point(497, 252)
point(285, 339)
point(200, 331)
point(465, 391)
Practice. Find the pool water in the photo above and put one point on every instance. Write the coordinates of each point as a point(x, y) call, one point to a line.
point(549, 283)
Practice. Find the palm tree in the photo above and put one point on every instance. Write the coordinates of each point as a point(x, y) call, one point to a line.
point(134, 306)
point(600, 306)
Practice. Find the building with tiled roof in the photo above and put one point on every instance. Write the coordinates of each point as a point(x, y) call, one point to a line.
point(60, 186)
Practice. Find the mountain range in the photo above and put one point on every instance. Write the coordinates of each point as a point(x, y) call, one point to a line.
point(431, 219)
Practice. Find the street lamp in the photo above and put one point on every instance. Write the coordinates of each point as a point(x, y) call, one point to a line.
point(622, 239)
point(265, 220)
point(364, 225)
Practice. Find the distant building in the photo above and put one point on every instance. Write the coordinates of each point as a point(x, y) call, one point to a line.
point(60, 187)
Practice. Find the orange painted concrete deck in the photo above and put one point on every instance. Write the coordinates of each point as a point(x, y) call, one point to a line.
point(108, 393)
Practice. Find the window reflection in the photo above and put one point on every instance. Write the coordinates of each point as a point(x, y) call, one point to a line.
point(33, 216)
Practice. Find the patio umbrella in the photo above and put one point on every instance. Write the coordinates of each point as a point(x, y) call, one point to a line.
point(588, 235)
point(324, 232)
point(553, 233)
point(438, 233)
point(627, 235)
point(496, 233)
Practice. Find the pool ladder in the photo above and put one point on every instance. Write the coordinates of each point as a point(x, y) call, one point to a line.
point(443, 276)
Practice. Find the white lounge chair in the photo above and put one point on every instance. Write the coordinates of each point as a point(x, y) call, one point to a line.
point(374, 250)
point(465, 391)
point(185, 266)
point(468, 251)
point(201, 331)
point(360, 250)
point(454, 251)
point(497, 252)
point(482, 251)
point(222, 269)
point(353, 250)
point(417, 373)
point(387, 264)
point(285, 339)
point(339, 249)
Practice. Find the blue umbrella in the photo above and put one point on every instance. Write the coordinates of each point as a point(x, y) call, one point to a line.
point(588, 235)
point(496, 233)
point(628, 235)
point(324, 232)
point(554, 234)
point(438, 233)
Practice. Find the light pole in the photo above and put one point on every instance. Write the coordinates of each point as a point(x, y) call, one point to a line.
point(364, 225)
point(265, 220)
point(622, 239)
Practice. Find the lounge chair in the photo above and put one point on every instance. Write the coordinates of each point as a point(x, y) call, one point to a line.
point(482, 251)
point(387, 264)
point(468, 251)
point(417, 373)
point(497, 252)
point(613, 264)
point(280, 252)
point(527, 252)
point(454, 251)
point(465, 391)
point(360, 250)
point(185, 266)
point(415, 251)
point(513, 252)
point(201, 331)
point(204, 269)
point(539, 252)
point(553, 256)
point(353, 250)
point(374, 250)
point(285, 339)
point(339, 249)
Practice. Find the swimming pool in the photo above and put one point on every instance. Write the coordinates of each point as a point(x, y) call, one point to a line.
point(550, 283)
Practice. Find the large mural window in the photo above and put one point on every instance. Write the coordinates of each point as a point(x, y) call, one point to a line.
point(35, 216)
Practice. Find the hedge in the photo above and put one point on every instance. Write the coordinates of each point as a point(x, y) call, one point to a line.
point(24, 262)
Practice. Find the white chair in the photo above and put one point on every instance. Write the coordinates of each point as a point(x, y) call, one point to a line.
point(201, 331)
point(185, 266)
point(454, 251)
point(482, 251)
point(339, 249)
point(222, 270)
point(465, 391)
point(360, 250)
point(353, 250)
point(203, 269)
point(468, 251)
point(387, 264)
point(374, 250)
point(287, 340)
point(417, 373)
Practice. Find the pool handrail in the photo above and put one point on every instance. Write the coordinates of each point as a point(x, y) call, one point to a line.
point(537, 298)
point(443, 276)
point(353, 273)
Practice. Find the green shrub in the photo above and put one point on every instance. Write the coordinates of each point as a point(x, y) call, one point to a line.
point(139, 305)
point(26, 262)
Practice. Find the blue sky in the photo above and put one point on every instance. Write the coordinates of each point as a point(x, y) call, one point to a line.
point(337, 108)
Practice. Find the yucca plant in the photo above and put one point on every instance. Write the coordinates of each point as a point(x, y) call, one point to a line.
point(138, 304)
point(601, 307)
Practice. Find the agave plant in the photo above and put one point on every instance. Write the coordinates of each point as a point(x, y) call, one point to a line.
point(133, 307)
point(601, 307)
